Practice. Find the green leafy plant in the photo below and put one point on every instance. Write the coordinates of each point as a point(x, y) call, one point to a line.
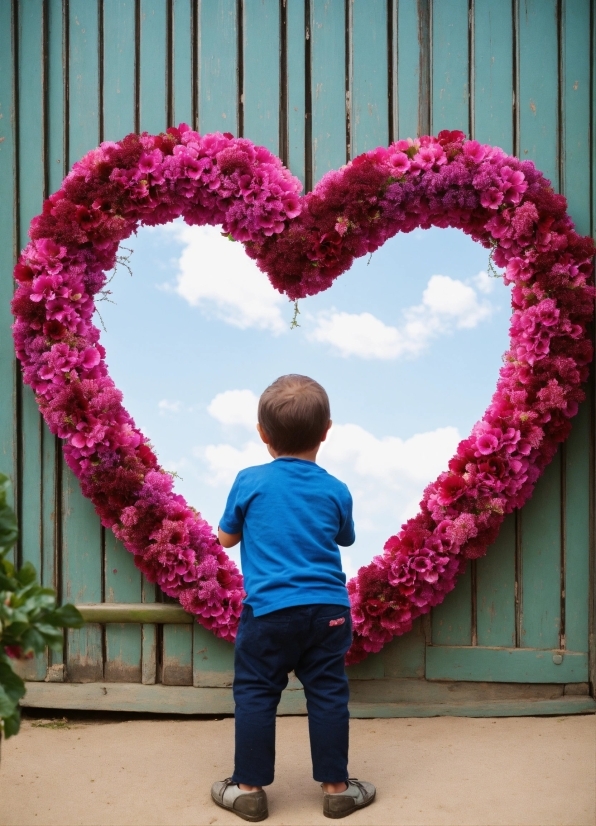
point(29, 618)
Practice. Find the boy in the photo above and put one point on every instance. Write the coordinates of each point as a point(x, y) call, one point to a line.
point(290, 516)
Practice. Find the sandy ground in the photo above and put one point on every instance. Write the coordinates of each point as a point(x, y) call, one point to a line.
point(457, 771)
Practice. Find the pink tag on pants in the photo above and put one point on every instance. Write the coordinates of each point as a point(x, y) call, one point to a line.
point(339, 621)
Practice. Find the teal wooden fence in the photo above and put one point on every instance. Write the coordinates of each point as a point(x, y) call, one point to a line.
point(316, 81)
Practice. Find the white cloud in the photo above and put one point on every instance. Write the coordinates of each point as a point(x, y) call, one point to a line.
point(217, 275)
point(447, 304)
point(235, 407)
point(224, 461)
point(387, 476)
point(166, 406)
point(448, 299)
point(390, 459)
point(360, 334)
point(484, 282)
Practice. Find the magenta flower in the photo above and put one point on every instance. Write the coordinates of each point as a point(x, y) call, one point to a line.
point(492, 198)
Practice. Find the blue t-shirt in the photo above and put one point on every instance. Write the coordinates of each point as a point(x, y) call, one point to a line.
point(292, 515)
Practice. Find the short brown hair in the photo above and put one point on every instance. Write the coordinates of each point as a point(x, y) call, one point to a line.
point(294, 413)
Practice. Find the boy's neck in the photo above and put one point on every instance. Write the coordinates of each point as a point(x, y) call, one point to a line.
point(307, 455)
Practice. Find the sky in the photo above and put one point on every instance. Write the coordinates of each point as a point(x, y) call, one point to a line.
point(408, 345)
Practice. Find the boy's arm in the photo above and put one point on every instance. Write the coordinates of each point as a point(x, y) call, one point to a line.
point(346, 535)
point(233, 518)
point(228, 540)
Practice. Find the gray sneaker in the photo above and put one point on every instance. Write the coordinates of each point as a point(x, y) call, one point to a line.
point(247, 805)
point(358, 795)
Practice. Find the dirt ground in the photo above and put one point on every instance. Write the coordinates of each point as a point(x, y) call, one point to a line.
point(447, 770)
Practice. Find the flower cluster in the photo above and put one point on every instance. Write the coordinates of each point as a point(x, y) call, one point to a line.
point(303, 244)
point(143, 179)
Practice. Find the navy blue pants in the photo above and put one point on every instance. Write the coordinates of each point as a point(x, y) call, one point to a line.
point(312, 641)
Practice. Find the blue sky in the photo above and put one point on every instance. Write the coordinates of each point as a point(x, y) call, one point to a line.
point(407, 344)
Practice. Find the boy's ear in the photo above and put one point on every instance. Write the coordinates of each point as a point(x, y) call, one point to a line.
point(262, 434)
point(327, 430)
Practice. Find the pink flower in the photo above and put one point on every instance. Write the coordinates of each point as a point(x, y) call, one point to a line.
point(475, 151)
point(400, 162)
point(491, 198)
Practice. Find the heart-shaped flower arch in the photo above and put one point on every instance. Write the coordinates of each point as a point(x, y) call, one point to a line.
point(303, 244)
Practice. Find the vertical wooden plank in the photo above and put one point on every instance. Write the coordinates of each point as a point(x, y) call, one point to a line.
point(31, 185)
point(538, 85)
point(123, 641)
point(261, 71)
point(148, 641)
point(122, 579)
point(153, 91)
point(592, 586)
point(495, 590)
point(492, 116)
point(575, 108)
point(56, 125)
point(492, 99)
point(83, 76)
point(8, 245)
point(8, 242)
point(218, 84)
point(450, 87)
point(413, 68)
point(213, 659)
point(541, 562)
point(176, 647)
point(451, 621)
point(369, 75)
point(177, 657)
point(404, 657)
point(575, 184)
point(182, 66)
point(328, 86)
point(31, 191)
point(152, 118)
point(118, 69)
point(577, 531)
point(56, 168)
point(296, 87)
point(82, 577)
point(81, 531)
point(31, 505)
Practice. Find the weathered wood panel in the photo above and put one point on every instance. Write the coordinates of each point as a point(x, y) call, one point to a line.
point(450, 88)
point(183, 62)
point(492, 74)
point(261, 50)
point(82, 540)
point(317, 81)
point(218, 66)
point(411, 78)
point(327, 35)
point(523, 665)
point(368, 75)
point(295, 39)
point(495, 591)
point(185, 700)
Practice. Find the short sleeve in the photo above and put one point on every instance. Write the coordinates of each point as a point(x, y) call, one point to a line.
point(232, 520)
point(346, 534)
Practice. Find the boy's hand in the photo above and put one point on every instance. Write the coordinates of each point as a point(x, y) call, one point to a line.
point(228, 540)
